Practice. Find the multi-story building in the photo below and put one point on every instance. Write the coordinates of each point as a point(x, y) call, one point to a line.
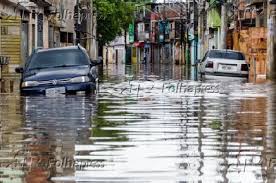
point(29, 24)
point(158, 32)
point(246, 30)
point(250, 35)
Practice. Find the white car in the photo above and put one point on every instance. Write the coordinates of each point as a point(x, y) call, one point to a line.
point(223, 63)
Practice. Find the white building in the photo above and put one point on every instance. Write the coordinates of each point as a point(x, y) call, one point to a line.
point(115, 51)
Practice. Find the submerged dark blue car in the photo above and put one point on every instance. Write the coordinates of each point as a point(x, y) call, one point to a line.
point(58, 70)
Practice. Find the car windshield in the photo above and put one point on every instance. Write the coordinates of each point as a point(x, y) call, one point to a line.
point(57, 58)
point(226, 55)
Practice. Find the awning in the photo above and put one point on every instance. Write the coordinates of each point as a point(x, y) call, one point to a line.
point(139, 44)
point(43, 3)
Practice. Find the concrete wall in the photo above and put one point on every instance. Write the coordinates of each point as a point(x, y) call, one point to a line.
point(114, 54)
point(253, 42)
point(65, 13)
point(115, 47)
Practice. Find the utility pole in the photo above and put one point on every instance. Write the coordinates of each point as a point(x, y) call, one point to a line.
point(187, 33)
point(88, 13)
point(181, 36)
point(91, 26)
point(164, 31)
point(193, 32)
point(93, 42)
point(224, 27)
point(77, 21)
point(271, 41)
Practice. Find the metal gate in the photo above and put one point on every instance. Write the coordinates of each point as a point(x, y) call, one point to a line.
point(24, 42)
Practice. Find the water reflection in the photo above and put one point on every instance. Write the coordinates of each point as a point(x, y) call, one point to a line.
point(49, 128)
point(269, 156)
point(10, 121)
point(154, 137)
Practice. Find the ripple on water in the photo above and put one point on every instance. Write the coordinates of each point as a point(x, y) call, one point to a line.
point(154, 136)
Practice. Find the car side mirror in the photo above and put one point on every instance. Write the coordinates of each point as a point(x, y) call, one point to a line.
point(19, 70)
point(95, 62)
point(198, 61)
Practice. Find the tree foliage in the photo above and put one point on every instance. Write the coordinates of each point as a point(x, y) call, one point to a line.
point(113, 17)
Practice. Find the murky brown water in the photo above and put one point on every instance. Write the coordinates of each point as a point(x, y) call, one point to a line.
point(142, 126)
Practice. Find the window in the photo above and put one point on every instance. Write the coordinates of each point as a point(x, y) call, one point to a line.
point(226, 55)
point(147, 27)
point(66, 37)
point(4, 30)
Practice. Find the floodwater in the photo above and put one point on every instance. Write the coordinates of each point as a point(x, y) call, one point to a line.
point(145, 124)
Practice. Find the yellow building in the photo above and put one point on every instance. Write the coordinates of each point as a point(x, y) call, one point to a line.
point(13, 36)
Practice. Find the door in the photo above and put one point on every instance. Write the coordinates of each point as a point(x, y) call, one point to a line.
point(51, 36)
point(40, 30)
point(116, 56)
point(24, 42)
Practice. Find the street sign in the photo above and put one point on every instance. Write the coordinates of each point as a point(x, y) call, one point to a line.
point(4, 60)
point(131, 33)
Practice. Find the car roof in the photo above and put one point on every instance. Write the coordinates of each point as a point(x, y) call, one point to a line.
point(226, 50)
point(39, 50)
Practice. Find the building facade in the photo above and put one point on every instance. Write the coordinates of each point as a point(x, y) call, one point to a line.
point(30, 24)
point(157, 30)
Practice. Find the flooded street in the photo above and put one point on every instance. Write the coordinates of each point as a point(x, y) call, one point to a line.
point(145, 124)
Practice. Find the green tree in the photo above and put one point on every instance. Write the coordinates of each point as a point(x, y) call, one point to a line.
point(113, 17)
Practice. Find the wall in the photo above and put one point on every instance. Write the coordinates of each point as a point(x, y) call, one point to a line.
point(253, 42)
point(11, 40)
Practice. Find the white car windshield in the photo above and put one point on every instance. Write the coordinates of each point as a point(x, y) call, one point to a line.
point(226, 55)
